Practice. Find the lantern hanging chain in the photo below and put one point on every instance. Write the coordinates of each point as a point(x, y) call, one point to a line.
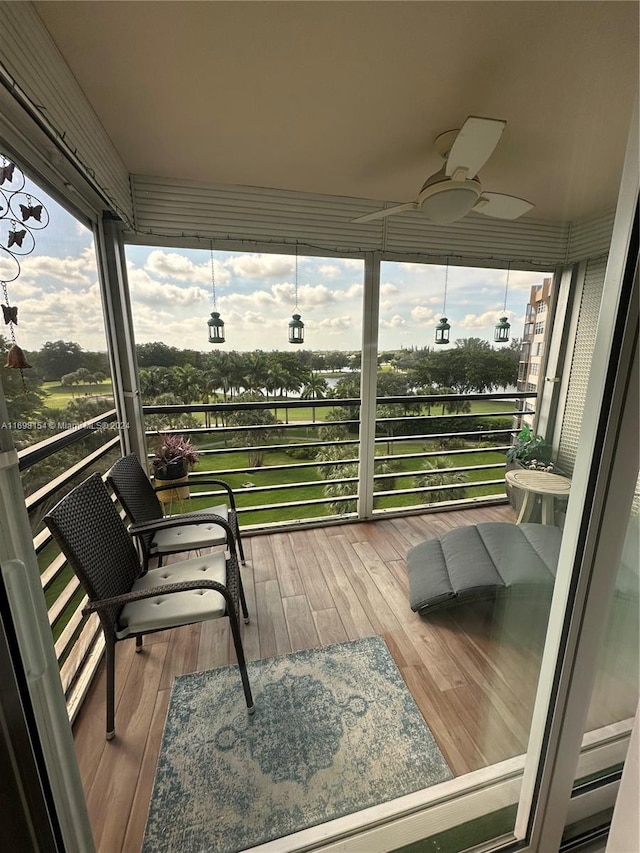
point(6, 299)
point(296, 280)
point(506, 288)
point(446, 282)
point(213, 279)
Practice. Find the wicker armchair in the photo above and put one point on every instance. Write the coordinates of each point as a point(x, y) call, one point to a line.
point(139, 500)
point(98, 547)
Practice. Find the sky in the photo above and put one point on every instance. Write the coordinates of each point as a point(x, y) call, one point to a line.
point(58, 296)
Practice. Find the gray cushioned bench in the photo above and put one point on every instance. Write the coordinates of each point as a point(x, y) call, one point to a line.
point(482, 561)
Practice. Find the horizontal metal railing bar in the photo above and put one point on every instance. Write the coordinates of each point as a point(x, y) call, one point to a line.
point(193, 478)
point(355, 441)
point(43, 449)
point(292, 425)
point(380, 439)
point(328, 402)
point(440, 488)
point(218, 451)
point(426, 472)
point(70, 628)
point(419, 455)
point(307, 502)
point(280, 487)
point(81, 649)
point(63, 599)
point(52, 486)
point(457, 415)
point(53, 569)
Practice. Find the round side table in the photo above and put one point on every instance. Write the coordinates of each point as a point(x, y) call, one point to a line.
point(533, 483)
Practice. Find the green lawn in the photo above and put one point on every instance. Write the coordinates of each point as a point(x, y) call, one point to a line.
point(58, 397)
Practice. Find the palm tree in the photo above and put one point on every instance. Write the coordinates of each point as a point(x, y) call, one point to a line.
point(436, 474)
point(189, 383)
point(314, 388)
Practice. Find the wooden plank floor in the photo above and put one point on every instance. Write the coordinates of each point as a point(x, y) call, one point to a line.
point(472, 671)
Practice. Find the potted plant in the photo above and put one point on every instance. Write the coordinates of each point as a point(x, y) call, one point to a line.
point(174, 456)
point(530, 450)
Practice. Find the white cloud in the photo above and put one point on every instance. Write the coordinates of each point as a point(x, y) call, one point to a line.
point(354, 291)
point(335, 323)
point(388, 288)
point(329, 271)
point(482, 321)
point(422, 314)
point(177, 266)
point(396, 322)
point(261, 266)
point(70, 271)
point(147, 291)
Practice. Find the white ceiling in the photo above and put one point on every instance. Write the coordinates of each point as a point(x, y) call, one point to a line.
point(345, 98)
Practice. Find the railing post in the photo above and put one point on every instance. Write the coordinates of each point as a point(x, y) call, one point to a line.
point(368, 382)
point(120, 337)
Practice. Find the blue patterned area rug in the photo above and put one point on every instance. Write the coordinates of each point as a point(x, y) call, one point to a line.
point(335, 730)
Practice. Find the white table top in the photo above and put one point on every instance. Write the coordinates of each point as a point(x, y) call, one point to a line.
point(541, 482)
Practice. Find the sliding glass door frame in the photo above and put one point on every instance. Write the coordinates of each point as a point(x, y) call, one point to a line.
point(602, 490)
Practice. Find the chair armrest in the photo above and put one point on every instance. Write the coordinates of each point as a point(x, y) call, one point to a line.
point(205, 481)
point(168, 589)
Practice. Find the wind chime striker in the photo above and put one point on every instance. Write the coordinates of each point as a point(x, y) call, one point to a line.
point(296, 326)
point(215, 323)
point(443, 327)
point(501, 331)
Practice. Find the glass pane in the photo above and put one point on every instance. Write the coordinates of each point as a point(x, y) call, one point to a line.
point(294, 455)
point(615, 693)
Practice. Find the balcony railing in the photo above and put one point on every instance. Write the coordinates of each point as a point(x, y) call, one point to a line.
point(278, 488)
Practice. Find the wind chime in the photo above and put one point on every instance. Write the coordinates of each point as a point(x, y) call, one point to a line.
point(501, 331)
point(215, 323)
point(443, 327)
point(296, 326)
point(20, 214)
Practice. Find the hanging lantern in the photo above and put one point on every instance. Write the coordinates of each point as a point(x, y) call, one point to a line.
point(296, 330)
point(442, 329)
point(215, 323)
point(501, 331)
point(216, 328)
point(296, 326)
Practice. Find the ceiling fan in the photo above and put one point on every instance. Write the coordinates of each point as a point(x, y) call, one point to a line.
point(455, 189)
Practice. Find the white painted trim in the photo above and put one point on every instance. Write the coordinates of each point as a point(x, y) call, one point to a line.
point(602, 493)
point(425, 813)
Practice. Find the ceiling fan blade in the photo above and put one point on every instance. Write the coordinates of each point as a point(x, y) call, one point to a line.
point(474, 144)
point(387, 211)
point(502, 206)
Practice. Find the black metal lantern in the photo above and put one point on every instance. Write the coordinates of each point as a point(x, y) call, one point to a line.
point(501, 332)
point(443, 327)
point(442, 331)
point(296, 326)
point(296, 330)
point(216, 328)
point(215, 323)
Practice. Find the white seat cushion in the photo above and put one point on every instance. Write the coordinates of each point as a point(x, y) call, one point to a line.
point(191, 537)
point(177, 608)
